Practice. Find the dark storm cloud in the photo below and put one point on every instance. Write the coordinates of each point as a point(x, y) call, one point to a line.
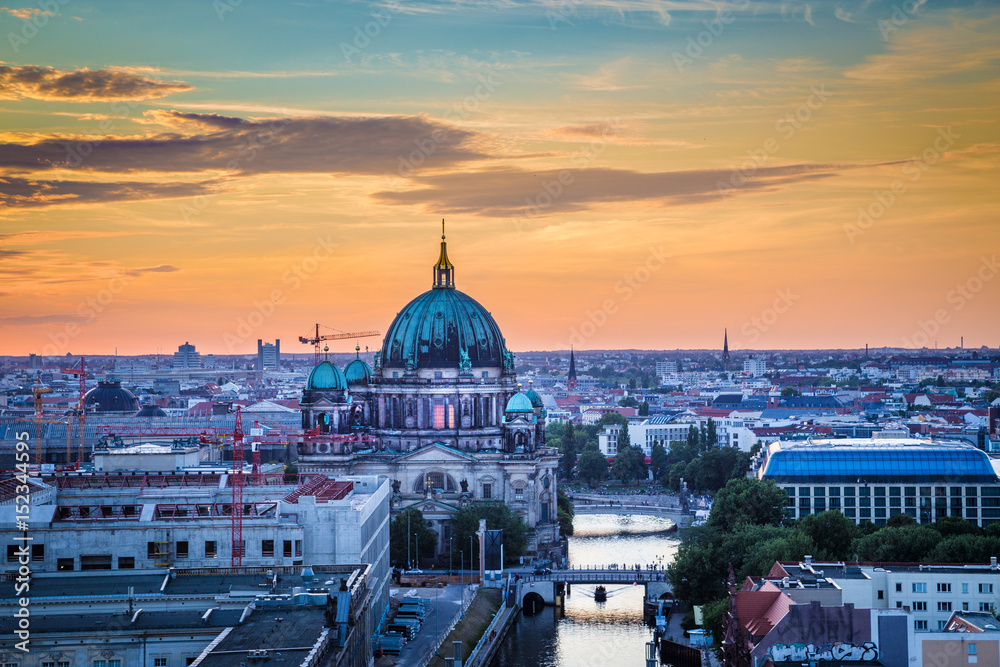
point(82, 85)
point(24, 192)
point(506, 191)
point(287, 145)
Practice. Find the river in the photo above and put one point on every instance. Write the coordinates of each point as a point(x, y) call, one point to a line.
point(592, 634)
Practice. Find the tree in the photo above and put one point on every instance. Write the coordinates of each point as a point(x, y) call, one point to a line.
point(949, 526)
point(568, 459)
point(629, 402)
point(565, 512)
point(499, 516)
point(832, 532)
point(610, 418)
point(900, 520)
point(401, 532)
point(658, 460)
point(790, 391)
point(592, 466)
point(644, 409)
point(748, 500)
point(629, 464)
point(712, 435)
point(909, 545)
point(698, 573)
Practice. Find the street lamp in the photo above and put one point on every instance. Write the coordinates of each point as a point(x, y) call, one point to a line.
point(416, 551)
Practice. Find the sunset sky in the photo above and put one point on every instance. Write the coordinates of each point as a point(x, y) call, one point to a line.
point(614, 173)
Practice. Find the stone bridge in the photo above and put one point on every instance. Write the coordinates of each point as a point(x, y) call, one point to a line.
point(680, 518)
point(550, 587)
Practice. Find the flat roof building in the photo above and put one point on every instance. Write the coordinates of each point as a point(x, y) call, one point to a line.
point(873, 479)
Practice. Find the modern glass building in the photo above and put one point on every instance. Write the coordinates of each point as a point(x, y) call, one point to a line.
point(874, 479)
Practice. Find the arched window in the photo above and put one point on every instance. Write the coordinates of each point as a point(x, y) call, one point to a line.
point(434, 479)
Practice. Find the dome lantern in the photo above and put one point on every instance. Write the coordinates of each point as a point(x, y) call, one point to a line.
point(444, 270)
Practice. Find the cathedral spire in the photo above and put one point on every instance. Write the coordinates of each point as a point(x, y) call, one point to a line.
point(444, 270)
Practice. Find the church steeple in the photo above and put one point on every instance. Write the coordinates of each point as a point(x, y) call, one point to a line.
point(444, 270)
point(725, 350)
point(571, 376)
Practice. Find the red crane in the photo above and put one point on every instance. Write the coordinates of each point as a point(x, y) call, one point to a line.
point(340, 335)
point(255, 446)
point(81, 414)
point(237, 483)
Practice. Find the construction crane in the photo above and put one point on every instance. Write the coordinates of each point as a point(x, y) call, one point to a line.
point(237, 484)
point(340, 335)
point(37, 421)
point(81, 408)
point(38, 391)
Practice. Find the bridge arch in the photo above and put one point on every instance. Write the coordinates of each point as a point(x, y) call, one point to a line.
point(532, 603)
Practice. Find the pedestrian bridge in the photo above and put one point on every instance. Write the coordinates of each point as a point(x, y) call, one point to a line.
point(549, 589)
point(673, 513)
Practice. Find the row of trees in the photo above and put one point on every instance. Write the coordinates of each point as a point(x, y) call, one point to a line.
point(411, 539)
point(748, 528)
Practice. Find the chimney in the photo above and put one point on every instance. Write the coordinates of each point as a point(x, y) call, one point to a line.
point(993, 563)
point(809, 561)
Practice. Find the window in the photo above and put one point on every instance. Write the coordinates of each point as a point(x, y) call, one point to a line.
point(298, 548)
point(126, 562)
point(151, 550)
point(881, 595)
point(941, 624)
point(965, 588)
point(985, 588)
point(919, 606)
point(519, 493)
point(286, 549)
point(211, 551)
point(899, 588)
point(267, 548)
point(61, 663)
point(984, 606)
point(12, 553)
point(64, 564)
point(919, 625)
point(108, 663)
point(37, 552)
point(972, 648)
point(944, 588)
point(487, 491)
point(965, 606)
point(159, 662)
point(944, 606)
point(182, 549)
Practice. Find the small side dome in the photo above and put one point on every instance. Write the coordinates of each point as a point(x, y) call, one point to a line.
point(519, 403)
point(358, 373)
point(148, 408)
point(536, 400)
point(326, 377)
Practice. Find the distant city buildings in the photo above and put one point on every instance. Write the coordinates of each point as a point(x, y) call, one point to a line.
point(755, 366)
point(268, 355)
point(187, 357)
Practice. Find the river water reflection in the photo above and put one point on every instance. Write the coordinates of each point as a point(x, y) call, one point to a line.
point(593, 634)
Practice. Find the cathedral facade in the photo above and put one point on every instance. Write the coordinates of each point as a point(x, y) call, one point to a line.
point(450, 423)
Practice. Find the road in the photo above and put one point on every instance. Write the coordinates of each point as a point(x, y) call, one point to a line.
point(445, 604)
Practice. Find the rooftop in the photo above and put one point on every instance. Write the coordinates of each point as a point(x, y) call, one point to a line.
point(862, 460)
point(288, 635)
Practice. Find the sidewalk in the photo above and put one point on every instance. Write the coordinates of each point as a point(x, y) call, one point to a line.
point(675, 633)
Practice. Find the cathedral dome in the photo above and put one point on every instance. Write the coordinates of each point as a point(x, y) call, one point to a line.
point(443, 328)
point(519, 403)
point(110, 396)
point(326, 377)
point(357, 372)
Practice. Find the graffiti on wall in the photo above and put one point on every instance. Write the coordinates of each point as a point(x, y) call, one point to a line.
point(827, 651)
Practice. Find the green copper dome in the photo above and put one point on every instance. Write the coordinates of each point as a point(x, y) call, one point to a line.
point(357, 372)
point(326, 377)
point(536, 400)
point(519, 403)
point(443, 328)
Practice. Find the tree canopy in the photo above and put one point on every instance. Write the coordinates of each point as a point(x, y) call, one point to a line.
point(401, 535)
point(499, 516)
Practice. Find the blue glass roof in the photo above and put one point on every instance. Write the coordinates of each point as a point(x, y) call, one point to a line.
point(888, 464)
